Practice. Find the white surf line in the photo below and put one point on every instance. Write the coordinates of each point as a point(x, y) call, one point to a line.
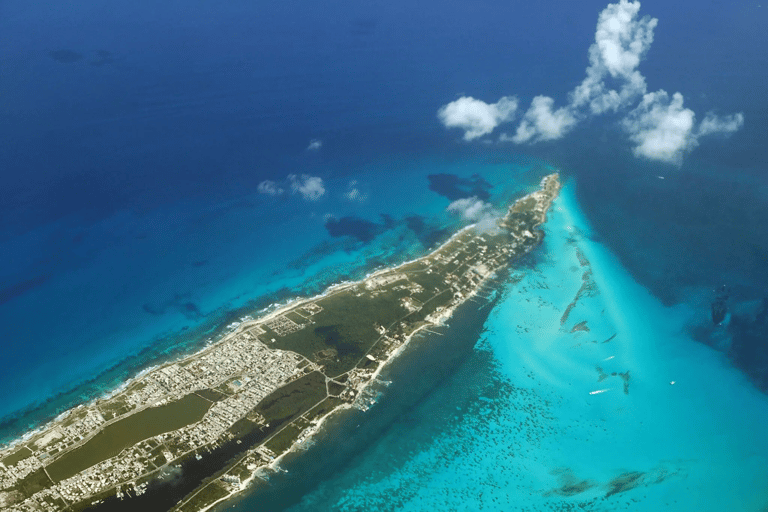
point(597, 392)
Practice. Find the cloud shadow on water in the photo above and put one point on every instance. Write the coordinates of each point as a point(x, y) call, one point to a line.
point(454, 187)
point(102, 58)
point(65, 56)
point(178, 303)
point(16, 290)
point(360, 229)
point(429, 236)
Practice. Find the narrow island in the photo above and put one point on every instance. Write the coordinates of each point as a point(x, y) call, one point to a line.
point(221, 415)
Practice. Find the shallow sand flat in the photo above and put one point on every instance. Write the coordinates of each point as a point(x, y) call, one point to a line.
point(530, 436)
point(701, 434)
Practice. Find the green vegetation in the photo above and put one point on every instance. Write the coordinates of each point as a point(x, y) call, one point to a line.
point(346, 325)
point(34, 482)
point(336, 333)
point(114, 409)
point(335, 388)
point(324, 407)
point(284, 439)
point(125, 433)
point(296, 317)
point(208, 495)
point(242, 428)
point(293, 400)
point(239, 470)
point(17, 456)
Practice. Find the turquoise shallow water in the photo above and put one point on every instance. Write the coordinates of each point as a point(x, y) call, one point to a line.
point(166, 280)
point(134, 139)
point(525, 421)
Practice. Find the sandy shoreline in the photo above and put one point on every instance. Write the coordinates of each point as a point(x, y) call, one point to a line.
point(439, 320)
point(275, 310)
point(275, 464)
point(265, 315)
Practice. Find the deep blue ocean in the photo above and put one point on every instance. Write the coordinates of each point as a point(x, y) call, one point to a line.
point(169, 168)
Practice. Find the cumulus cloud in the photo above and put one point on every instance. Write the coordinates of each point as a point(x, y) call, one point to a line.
point(664, 130)
point(311, 188)
point(354, 193)
point(660, 127)
point(269, 187)
point(476, 117)
point(477, 211)
point(621, 42)
point(314, 145)
point(543, 123)
point(721, 125)
point(470, 208)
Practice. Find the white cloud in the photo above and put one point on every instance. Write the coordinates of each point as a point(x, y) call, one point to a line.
point(470, 208)
point(723, 125)
point(311, 188)
point(269, 187)
point(353, 192)
point(664, 130)
point(314, 145)
point(477, 211)
point(355, 195)
point(621, 42)
point(543, 123)
point(660, 128)
point(476, 117)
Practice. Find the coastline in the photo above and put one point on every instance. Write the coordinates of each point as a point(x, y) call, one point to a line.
point(521, 221)
point(274, 465)
point(439, 321)
point(266, 313)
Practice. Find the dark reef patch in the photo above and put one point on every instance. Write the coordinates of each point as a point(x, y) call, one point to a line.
point(65, 56)
point(624, 482)
point(179, 303)
point(749, 346)
point(314, 255)
point(416, 224)
point(363, 27)
point(18, 289)
point(190, 308)
point(581, 326)
point(693, 226)
point(569, 485)
point(454, 187)
point(103, 57)
point(719, 307)
point(429, 236)
point(387, 221)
